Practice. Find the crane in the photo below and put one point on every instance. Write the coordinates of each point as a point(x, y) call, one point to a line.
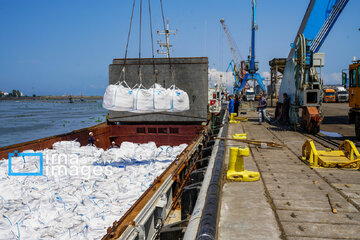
point(248, 69)
point(301, 81)
point(252, 66)
point(236, 65)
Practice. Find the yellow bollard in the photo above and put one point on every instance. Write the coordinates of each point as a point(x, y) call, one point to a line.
point(232, 160)
point(240, 136)
point(236, 171)
point(232, 118)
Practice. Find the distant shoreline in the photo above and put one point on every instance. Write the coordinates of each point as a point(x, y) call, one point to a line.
point(67, 97)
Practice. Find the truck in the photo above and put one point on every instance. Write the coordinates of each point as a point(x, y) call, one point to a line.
point(329, 95)
point(342, 94)
point(354, 95)
point(214, 100)
point(250, 94)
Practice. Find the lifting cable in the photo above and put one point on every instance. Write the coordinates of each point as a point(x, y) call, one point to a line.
point(167, 46)
point(127, 42)
point(140, 79)
point(152, 45)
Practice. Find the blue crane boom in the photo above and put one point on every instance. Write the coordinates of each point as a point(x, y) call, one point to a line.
point(331, 17)
point(251, 65)
point(300, 79)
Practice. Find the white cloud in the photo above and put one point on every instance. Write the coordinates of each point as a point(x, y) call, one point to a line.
point(227, 78)
point(332, 79)
point(265, 75)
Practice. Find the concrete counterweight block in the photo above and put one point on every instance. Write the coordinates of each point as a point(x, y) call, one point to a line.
point(236, 171)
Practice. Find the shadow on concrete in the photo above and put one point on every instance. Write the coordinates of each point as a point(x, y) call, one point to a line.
point(335, 120)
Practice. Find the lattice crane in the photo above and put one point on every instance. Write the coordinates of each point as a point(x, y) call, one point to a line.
point(237, 66)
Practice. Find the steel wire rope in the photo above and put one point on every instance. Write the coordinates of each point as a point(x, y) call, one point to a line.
point(152, 44)
point(127, 42)
point(139, 71)
point(167, 45)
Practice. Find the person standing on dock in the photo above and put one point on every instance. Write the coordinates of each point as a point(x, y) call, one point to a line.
point(262, 109)
point(231, 105)
point(236, 105)
point(285, 109)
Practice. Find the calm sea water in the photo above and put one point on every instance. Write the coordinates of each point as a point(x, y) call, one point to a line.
point(22, 121)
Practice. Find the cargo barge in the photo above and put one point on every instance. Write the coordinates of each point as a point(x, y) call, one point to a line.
point(175, 190)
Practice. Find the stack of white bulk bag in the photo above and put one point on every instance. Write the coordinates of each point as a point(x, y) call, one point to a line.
point(118, 97)
point(146, 152)
point(66, 146)
point(143, 100)
point(162, 98)
point(179, 100)
point(76, 200)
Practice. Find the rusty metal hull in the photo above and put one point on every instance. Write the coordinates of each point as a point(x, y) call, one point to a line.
point(174, 179)
point(140, 133)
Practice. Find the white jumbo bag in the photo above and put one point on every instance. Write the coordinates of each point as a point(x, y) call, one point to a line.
point(123, 97)
point(108, 100)
point(143, 100)
point(118, 97)
point(179, 100)
point(162, 98)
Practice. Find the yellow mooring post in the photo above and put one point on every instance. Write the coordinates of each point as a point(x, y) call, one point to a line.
point(232, 118)
point(236, 171)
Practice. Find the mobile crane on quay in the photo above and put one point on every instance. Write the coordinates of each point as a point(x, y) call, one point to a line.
point(301, 80)
point(244, 70)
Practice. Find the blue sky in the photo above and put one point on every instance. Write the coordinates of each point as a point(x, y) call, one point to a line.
point(64, 47)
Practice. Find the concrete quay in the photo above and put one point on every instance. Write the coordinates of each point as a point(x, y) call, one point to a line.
point(290, 201)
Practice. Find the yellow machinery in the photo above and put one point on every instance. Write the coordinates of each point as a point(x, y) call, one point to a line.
point(354, 95)
point(347, 155)
point(242, 136)
point(234, 119)
point(236, 171)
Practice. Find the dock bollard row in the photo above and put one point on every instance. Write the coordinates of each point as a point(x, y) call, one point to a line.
point(236, 171)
